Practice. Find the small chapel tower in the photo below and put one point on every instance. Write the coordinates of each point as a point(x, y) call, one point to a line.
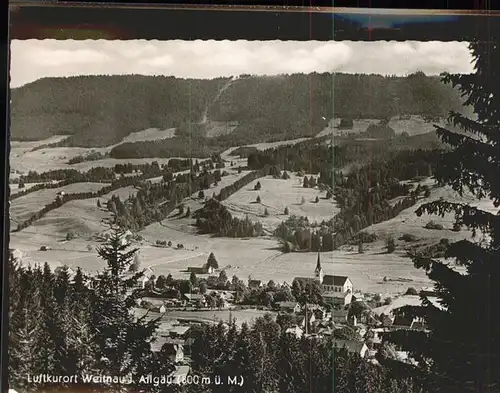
point(318, 272)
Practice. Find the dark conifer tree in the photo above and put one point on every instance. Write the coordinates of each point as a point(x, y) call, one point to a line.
point(461, 352)
point(122, 341)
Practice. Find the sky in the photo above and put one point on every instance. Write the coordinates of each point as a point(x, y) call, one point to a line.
point(35, 59)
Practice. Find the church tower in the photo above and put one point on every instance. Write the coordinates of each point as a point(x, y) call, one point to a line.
point(318, 272)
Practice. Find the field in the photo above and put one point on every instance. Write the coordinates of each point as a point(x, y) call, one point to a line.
point(401, 301)
point(17, 146)
point(43, 160)
point(276, 195)
point(151, 134)
point(14, 187)
point(413, 126)
point(194, 203)
point(24, 207)
point(260, 259)
point(407, 222)
point(22, 159)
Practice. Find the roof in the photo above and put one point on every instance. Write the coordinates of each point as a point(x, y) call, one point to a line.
point(340, 313)
point(180, 329)
point(254, 282)
point(318, 264)
point(400, 320)
point(288, 304)
point(293, 330)
point(351, 346)
point(305, 279)
point(337, 281)
point(338, 295)
point(167, 342)
point(181, 371)
point(418, 325)
point(197, 269)
point(194, 296)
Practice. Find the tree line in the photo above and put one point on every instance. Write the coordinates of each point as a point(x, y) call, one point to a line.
point(216, 219)
point(133, 102)
point(92, 156)
point(64, 324)
point(271, 360)
point(364, 197)
point(93, 175)
point(62, 199)
point(227, 191)
point(163, 102)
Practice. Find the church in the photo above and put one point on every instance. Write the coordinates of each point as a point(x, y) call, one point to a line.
point(333, 286)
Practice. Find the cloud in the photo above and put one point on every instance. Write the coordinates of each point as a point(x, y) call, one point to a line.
point(158, 61)
point(34, 59)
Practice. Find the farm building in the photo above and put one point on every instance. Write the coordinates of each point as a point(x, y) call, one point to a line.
point(339, 316)
point(161, 309)
point(201, 270)
point(336, 298)
point(354, 347)
point(254, 284)
point(195, 299)
point(307, 320)
point(179, 332)
point(179, 375)
point(292, 307)
point(174, 348)
point(296, 331)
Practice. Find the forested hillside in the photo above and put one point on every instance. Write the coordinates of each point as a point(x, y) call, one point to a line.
point(101, 110)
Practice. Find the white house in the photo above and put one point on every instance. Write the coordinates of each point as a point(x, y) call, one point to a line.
point(180, 374)
point(296, 331)
point(357, 347)
point(292, 307)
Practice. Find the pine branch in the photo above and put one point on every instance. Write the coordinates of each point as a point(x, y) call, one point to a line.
point(465, 214)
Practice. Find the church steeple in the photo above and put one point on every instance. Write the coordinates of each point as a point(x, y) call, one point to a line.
point(318, 272)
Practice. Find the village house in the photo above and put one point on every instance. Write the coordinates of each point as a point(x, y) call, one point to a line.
point(295, 330)
point(180, 332)
point(320, 314)
point(290, 307)
point(325, 331)
point(353, 347)
point(143, 280)
point(160, 309)
point(179, 375)
point(205, 269)
point(361, 329)
point(254, 284)
point(377, 335)
point(195, 300)
point(402, 322)
point(175, 350)
point(172, 347)
point(307, 320)
point(337, 298)
point(340, 316)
